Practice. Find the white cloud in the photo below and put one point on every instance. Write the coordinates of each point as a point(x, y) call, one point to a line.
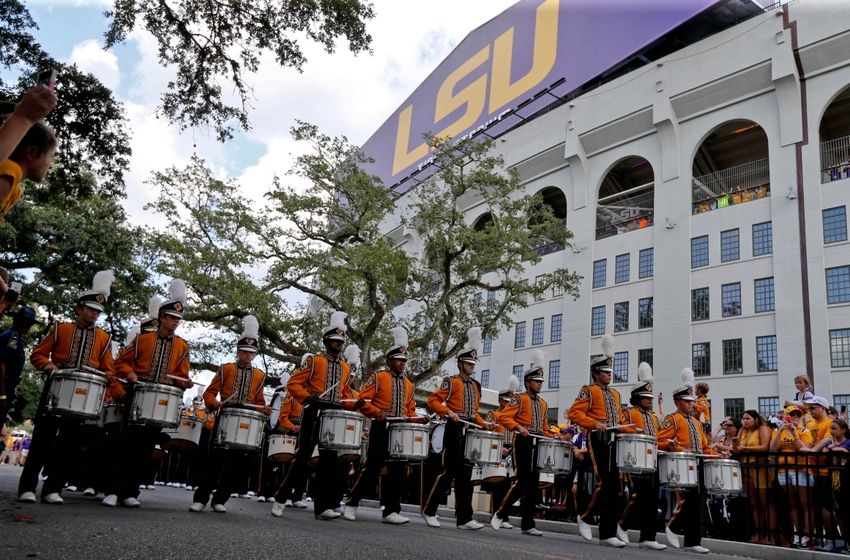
point(90, 57)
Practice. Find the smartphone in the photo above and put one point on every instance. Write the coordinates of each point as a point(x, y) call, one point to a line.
point(47, 77)
point(789, 419)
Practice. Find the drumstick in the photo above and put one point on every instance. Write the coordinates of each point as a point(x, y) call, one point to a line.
point(405, 417)
point(355, 400)
point(328, 390)
point(93, 370)
point(177, 377)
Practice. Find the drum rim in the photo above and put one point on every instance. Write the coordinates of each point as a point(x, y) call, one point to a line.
point(149, 387)
point(396, 426)
point(80, 376)
point(484, 434)
point(341, 413)
point(554, 443)
point(677, 454)
point(638, 437)
point(720, 462)
point(234, 411)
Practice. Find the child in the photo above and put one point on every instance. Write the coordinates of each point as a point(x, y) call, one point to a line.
point(804, 392)
point(34, 106)
point(31, 159)
point(702, 407)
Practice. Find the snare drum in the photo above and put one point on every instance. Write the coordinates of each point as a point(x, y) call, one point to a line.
point(437, 438)
point(156, 404)
point(408, 441)
point(282, 447)
point(547, 480)
point(722, 477)
point(678, 470)
point(76, 394)
point(240, 429)
point(341, 431)
point(113, 413)
point(477, 475)
point(482, 447)
point(186, 436)
point(636, 454)
point(554, 456)
point(493, 474)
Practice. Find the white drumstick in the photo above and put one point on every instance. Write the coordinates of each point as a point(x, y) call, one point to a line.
point(355, 400)
point(405, 417)
point(177, 377)
point(329, 389)
point(92, 370)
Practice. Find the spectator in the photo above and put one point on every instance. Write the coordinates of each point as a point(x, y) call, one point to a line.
point(754, 437)
point(838, 445)
point(34, 106)
point(12, 356)
point(819, 427)
point(728, 431)
point(804, 391)
point(791, 438)
point(31, 159)
point(702, 406)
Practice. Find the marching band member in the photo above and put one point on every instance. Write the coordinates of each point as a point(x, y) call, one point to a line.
point(643, 502)
point(387, 394)
point(597, 408)
point(526, 415)
point(321, 383)
point(78, 345)
point(681, 431)
point(456, 401)
point(157, 356)
point(289, 421)
point(499, 490)
point(238, 384)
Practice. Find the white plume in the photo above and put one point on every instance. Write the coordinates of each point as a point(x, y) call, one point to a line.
point(338, 321)
point(304, 358)
point(131, 335)
point(513, 384)
point(352, 354)
point(608, 346)
point(177, 291)
point(474, 336)
point(102, 282)
point(644, 372)
point(538, 360)
point(153, 306)
point(687, 378)
point(399, 336)
point(251, 326)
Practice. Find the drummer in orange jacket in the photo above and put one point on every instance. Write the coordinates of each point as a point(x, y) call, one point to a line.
point(239, 385)
point(456, 401)
point(78, 345)
point(321, 383)
point(289, 421)
point(526, 415)
point(157, 356)
point(682, 432)
point(387, 394)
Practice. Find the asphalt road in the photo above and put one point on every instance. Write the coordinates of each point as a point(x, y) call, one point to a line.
point(164, 529)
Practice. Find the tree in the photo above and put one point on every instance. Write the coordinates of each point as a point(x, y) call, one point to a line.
point(213, 43)
point(328, 245)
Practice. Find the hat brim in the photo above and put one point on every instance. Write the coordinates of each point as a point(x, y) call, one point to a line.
point(606, 369)
point(93, 305)
point(247, 349)
point(175, 314)
point(649, 395)
point(688, 398)
point(335, 337)
point(535, 378)
point(398, 357)
point(468, 360)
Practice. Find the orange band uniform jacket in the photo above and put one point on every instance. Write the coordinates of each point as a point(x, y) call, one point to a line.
point(687, 431)
point(526, 411)
point(389, 393)
point(645, 421)
point(245, 382)
point(290, 414)
point(153, 358)
point(319, 373)
point(459, 396)
point(595, 403)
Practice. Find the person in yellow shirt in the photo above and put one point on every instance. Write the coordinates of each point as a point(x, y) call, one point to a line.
point(31, 159)
point(819, 427)
point(34, 106)
point(793, 437)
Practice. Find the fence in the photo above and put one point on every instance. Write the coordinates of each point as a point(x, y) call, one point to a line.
point(835, 159)
point(734, 185)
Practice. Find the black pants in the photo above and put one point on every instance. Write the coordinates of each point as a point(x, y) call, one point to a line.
point(376, 459)
point(526, 486)
point(331, 473)
point(642, 510)
point(224, 471)
point(605, 498)
point(133, 464)
point(66, 456)
point(687, 516)
point(454, 468)
point(197, 458)
point(43, 441)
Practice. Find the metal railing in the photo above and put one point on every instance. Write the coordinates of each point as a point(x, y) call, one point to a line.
point(728, 187)
point(635, 210)
point(835, 159)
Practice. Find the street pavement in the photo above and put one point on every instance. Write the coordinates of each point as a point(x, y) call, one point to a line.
point(163, 529)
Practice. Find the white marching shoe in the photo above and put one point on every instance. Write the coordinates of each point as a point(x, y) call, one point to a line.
point(652, 545)
point(471, 525)
point(27, 498)
point(613, 541)
point(395, 519)
point(495, 522)
point(431, 521)
point(350, 513)
point(328, 514)
point(131, 502)
point(534, 532)
point(197, 507)
point(672, 538)
point(277, 509)
point(89, 492)
point(53, 498)
point(506, 525)
point(584, 529)
point(110, 501)
point(698, 549)
point(622, 534)
point(219, 508)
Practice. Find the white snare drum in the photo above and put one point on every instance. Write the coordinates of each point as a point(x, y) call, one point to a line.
point(722, 477)
point(186, 436)
point(156, 404)
point(477, 475)
point(493, 474)
point(554, 456)
point(76, 394)
point(637, 453)
point(482, 447)
point(341, 431)
point(408, 441)
point(678, 470)
point(240, 429)
point(282, 447)
point(547, 480)
point(437, 438)
point(113, 413)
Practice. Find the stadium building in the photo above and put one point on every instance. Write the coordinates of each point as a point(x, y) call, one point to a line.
point(699, 151)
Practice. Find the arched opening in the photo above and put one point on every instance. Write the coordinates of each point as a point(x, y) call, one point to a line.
point(626, 198)
point(554, 198)
point(835, 139)
point(731, 167)
point(482, 221)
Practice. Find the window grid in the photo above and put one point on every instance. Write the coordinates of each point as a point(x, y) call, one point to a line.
point(699, 304)
point(519, 335)
point(487, 345)
point(839, 347)
point(733, 407)
point(838, 284)
point(518, 371)
point(835, 224)
point(701, 359)
point(730, 299)
point(645, 355)
point(621, 269)
point(554, 374)
point(646, 263)
point(621, 367)
point(733, 356)
point(491, 295)
point(557, 290)
point(764, 300)
point(762, 239)
point(621, 316)
point(645, 313)
point(839, 401)
point(597, 320)
point(766, 353)
point(539, 281)
point(476, 299)
point(769, 406)
point(699, 251)
point(730, 245)
point(555, 328)
point(485, 378)
point(537, 331)
point(599, 271)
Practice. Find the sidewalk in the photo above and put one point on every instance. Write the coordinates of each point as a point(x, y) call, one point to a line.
point(721, 547)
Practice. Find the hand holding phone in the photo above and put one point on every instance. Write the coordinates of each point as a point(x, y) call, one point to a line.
point(47, 78)
point(36, 103)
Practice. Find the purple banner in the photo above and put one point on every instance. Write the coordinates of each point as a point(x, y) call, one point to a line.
point(509, 63)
